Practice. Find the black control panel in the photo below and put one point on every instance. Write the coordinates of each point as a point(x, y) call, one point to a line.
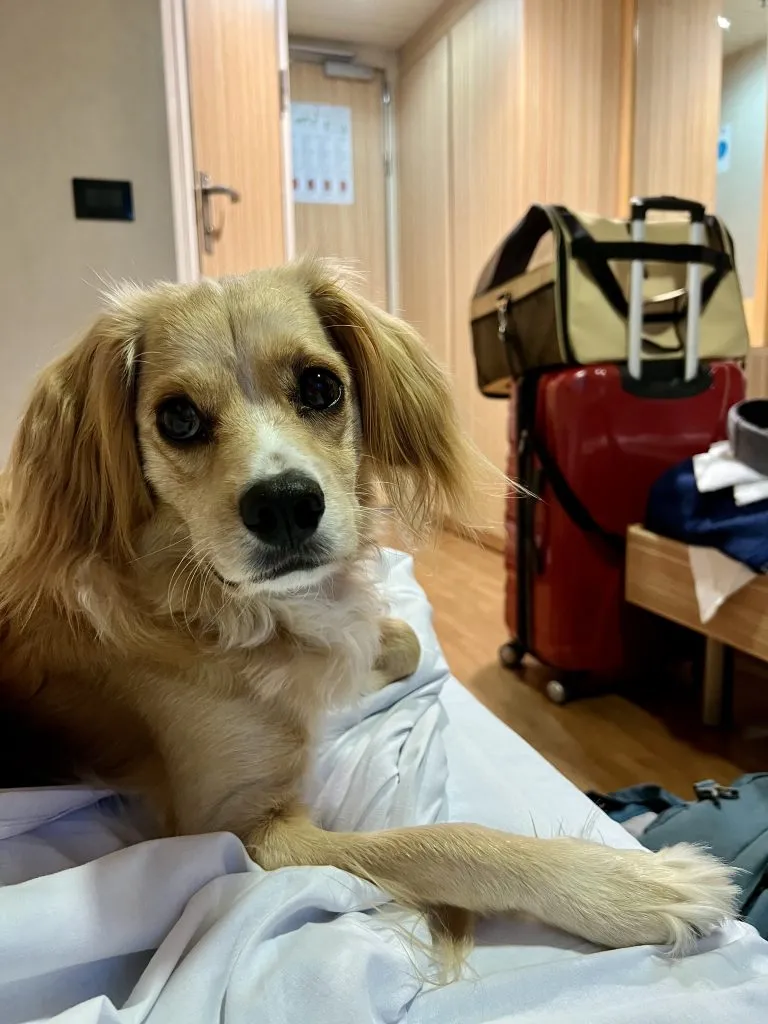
point(97, 199)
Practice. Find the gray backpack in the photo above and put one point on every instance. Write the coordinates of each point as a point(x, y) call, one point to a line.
point(732, 822)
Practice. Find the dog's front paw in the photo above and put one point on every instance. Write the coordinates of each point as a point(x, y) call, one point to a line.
point(671, 898)
point(400, 651)
point(700, 894)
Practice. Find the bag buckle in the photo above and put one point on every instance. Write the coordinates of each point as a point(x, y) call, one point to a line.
point(502, 311)
point(708, 789)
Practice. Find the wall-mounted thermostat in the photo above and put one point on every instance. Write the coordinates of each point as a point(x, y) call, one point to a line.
point(96, 199)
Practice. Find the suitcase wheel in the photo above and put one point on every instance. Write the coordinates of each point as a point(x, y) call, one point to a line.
point(570, 686)
point(511, 654)
point(557, 692)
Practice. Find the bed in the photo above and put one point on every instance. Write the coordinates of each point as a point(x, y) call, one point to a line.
point(102, 924)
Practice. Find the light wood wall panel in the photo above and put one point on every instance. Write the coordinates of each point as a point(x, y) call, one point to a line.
point(357, 233)
point(539, 93)
point(488, 153)
point(572, 91)
point(757, 373)
point(625, 166)
point(536, 94)
point(677, 98)
point(436, 27)
point(758, 314)
point(424, 176)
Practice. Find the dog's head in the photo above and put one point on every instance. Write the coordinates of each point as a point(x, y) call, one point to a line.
point(254, 413)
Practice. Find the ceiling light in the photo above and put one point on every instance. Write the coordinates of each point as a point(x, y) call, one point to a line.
point(723, 22)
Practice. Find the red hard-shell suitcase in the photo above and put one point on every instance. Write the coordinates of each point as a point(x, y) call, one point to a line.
point(589, 442)
point(565, 583)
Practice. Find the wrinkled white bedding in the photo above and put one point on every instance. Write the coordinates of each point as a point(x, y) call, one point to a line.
point(96, 927)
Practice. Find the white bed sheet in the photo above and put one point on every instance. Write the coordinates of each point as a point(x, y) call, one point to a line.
point(97, 927)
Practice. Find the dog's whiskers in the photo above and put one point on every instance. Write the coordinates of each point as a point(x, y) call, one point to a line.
point(184, 563)
point(159, 551)
point(205, 580)
point(194, 577)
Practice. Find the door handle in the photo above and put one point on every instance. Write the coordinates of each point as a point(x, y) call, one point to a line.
point(206, 188)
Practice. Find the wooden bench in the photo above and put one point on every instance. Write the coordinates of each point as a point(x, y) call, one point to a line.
point(659, 579)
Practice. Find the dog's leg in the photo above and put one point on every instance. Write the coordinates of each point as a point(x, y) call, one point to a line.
point(400, 651)
point(612, 897)
point(236, 765)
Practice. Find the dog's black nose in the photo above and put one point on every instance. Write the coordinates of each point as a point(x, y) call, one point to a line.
point(284, 510)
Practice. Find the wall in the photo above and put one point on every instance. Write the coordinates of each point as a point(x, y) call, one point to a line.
point(677, 98)
point(514, 104)
point(425, 177)
point(504, 103)
point(739, 189)
point(83, 96)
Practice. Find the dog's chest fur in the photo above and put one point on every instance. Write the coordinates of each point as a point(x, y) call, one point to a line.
point(254, 678)
point(319, 646)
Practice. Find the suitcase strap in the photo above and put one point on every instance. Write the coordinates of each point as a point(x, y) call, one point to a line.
point(574, 508)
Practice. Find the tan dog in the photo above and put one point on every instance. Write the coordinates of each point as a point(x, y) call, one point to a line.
point(183, 588)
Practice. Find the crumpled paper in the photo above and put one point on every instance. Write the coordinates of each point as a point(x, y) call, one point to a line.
point(716, 577)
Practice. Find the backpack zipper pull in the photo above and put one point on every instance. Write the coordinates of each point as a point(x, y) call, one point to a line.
point(708, 789)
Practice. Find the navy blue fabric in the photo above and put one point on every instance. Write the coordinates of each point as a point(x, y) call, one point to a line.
point(676, 509)
point(624, 804)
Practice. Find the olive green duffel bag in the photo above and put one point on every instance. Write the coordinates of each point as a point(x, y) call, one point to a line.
point(555, 293)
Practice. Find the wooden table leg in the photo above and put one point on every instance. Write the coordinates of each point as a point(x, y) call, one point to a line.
point(714, 682)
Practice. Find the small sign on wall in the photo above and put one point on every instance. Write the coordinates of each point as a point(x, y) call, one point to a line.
point(724, 149)
point(321, 136)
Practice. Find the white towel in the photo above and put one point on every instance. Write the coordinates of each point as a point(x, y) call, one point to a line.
point(717, 469)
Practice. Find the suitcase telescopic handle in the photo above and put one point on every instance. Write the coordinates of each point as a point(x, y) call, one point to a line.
point(639, 207)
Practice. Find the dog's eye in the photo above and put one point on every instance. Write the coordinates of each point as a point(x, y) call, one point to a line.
point(319, 389)
point(178, 420)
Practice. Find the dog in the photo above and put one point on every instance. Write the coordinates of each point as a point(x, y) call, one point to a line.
point(187, 516)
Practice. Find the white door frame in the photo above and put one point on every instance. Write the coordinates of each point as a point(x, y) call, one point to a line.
point(182, 164)
point(284, 66)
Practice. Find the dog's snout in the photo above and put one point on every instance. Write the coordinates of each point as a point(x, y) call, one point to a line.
point(284, 510)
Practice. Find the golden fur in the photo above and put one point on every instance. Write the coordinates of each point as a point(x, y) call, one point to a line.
point(143, 644)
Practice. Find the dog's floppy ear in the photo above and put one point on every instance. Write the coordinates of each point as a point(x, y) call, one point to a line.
point(76, 487)
point(409, 420)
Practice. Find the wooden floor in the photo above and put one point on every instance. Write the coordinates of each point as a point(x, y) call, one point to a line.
point(602, 742)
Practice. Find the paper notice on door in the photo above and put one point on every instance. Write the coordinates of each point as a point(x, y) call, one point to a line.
point(321, 136)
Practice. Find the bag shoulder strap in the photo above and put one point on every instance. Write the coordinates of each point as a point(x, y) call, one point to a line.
point(513, 255)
